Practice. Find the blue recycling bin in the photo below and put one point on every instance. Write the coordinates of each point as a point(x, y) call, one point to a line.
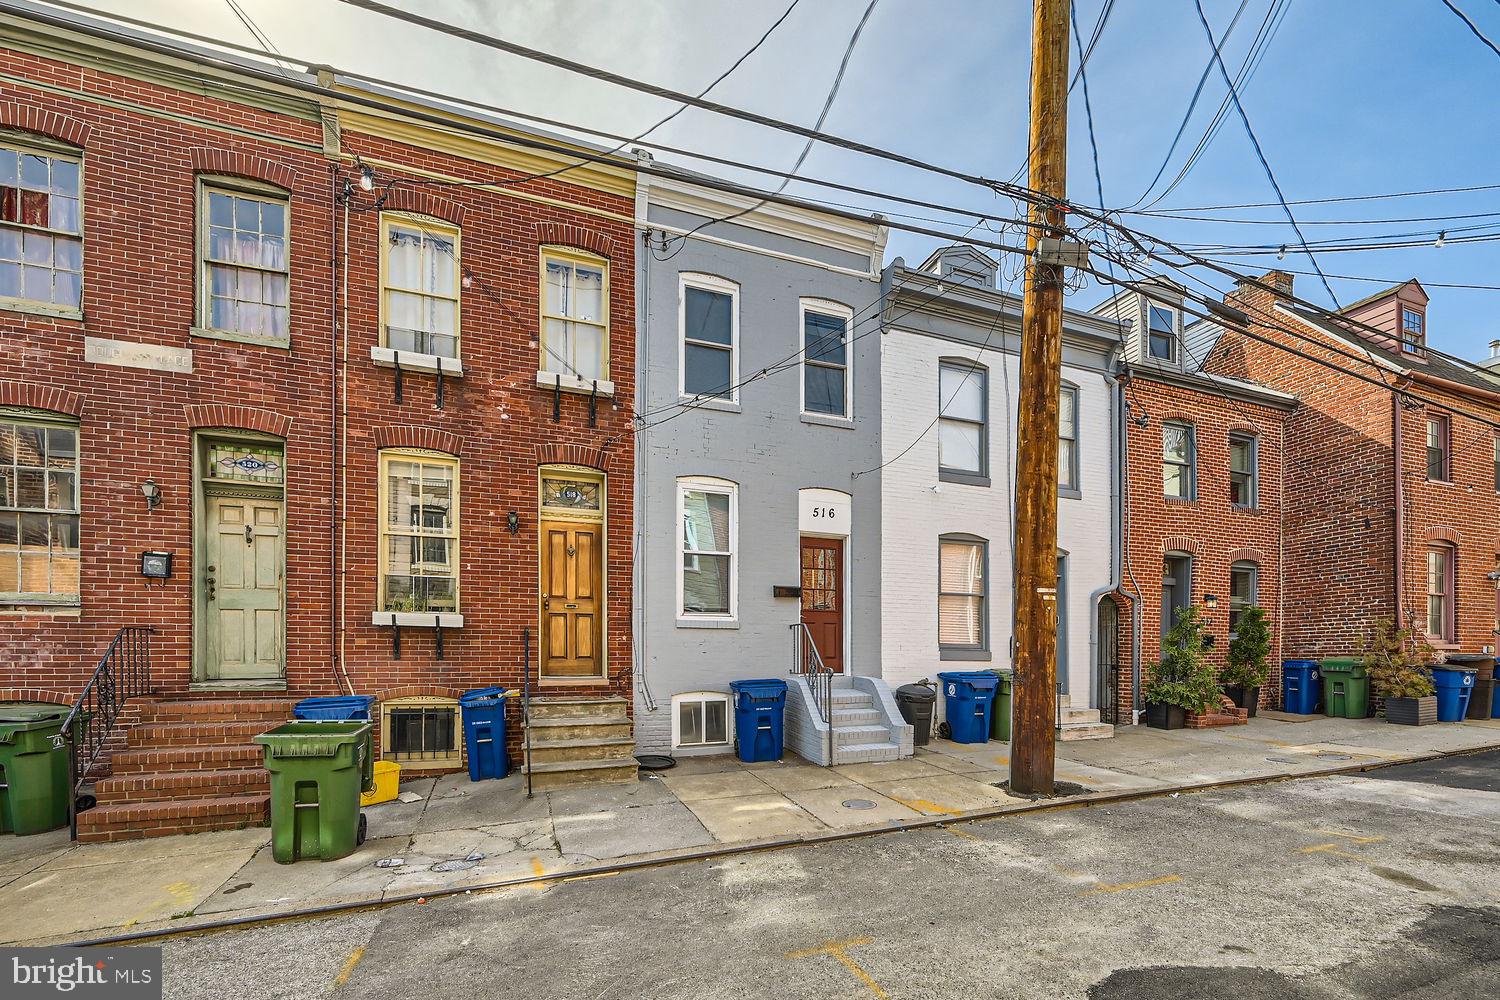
point(483, 712)
point(1301, 687)
point(1495, 703)
point(1454, 688)
point(344, 708)
point(759, 707)
point(968, 696)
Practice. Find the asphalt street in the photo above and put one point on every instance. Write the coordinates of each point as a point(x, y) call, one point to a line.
point(1383, 885)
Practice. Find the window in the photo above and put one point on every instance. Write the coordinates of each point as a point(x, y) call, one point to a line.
point(1244, 591)
point(1244, 471)
point(421, 732)
point(708, 511)
point(710, 332)
point(245, 278)
point(1437, 448)
point(1413, 330)
point(700, 720)
point(419, 532)
point(41, 229)
point(1176, 588)
point(1067, 439)
point(1161, 332)
point(963, 433)
point(575, 315)
point(1440, 580)
point(38, 512)
point(1495, 444)
point(420, 286)
point(962, 579)
point(825, 359)
point(1177, 460)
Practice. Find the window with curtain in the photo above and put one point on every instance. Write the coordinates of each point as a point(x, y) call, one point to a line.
point(246, 264)
point(963, 436)
point(575, 315)
point(422, 286)
point(419, 532)
point(39, 554)
point(41, 228)
point(962, 616)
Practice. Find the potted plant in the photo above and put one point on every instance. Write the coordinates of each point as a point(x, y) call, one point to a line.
point(1184, 680)
point(1397, 661)
point(1249, 659)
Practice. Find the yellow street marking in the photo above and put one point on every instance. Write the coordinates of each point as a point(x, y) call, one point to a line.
point(1123, 886)
point(1350, 836)
point(1003, 760)
point(922, 805)
point(348, 969)
point(585, 878)
point(965, 834)
point(1333, 849)
point(837, 950)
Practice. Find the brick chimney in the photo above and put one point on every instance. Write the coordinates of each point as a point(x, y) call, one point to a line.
point(1256, 301)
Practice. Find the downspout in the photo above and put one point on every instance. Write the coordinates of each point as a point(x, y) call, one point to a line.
point(1115, 544)
point(1399, 450)
point(335, 613)
point(343, 511)
point(1281, 551)
point(1135, 587)
point(643, 401)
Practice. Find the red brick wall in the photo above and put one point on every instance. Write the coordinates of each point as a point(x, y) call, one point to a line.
point(1209, 528)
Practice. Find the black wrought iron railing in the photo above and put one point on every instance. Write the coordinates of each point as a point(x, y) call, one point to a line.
point(526, 701)
point(124, 672)
point(808, 664)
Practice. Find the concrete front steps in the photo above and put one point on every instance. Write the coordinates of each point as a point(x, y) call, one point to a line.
point(188, 766)
point(859, 731)
point(1081, 723)
point(579, 741)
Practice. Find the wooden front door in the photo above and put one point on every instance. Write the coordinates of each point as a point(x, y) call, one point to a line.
point(572, 600)
point(823, 598)
point(242, 590)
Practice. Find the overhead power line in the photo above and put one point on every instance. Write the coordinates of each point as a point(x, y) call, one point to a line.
point(1473, 28)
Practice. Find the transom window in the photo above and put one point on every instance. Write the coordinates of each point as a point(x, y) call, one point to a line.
point(422, 286)
point(1178, 460)
point(1440, 581)
point(700, 719)
point(1161, 332)
point(419, 532)
point(962, 618)
point(1437, 448)
point(38, 512)
point(825, 359)
point(41, 228)
point(963, 445)
point(245, 462)
point(1067, 438)
point(710, 321)
point(1243, 471)
point(575, 324)
point(1413, 330)
point(707, 510)
point(246, 266)
point(1244, 586)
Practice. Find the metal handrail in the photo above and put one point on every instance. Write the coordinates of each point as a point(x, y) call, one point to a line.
point(124, 672)
point(807, 662)
point(526, 701)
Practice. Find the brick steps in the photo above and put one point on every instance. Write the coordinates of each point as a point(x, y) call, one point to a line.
point(139, 820)
point(167, 786)
point(194, 734)
point(265, 710)
point(149, 759)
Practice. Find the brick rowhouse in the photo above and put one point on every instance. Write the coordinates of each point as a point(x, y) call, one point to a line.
point(149, 132)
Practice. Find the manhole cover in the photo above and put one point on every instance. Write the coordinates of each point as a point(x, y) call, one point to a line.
point(858, 804)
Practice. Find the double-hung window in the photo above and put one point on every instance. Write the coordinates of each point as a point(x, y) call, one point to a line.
point(419, 532)
point(38, 511)
point(1244, 486)
point(710, 336)
point(1244, 587)
point(1495, 446)
point(421, 286)
point(1413, 330)
point(707, 510)
point(1440, 587)
point(41, 229)
point(1067, 439)
point(963, 621)
point(1178, 460)
point(245, 282)
point(826, 359)
point(1161, 332)
point(1437, 448)
point(575, 316)
point(963, 432)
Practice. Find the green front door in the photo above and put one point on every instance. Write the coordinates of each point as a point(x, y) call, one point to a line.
point(243, 598)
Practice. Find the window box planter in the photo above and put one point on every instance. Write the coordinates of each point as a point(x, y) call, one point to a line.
point(1411, 711)
point(1243, 697)
point(1163, 716)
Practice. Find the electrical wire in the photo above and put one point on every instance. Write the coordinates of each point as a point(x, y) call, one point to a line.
point(1473, 28)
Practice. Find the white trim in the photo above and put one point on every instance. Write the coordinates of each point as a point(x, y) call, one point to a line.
point(722, 487)
point(722, 286)
point(876, 252)
point(573, 383)
point(384, 357)
point(417, 619)
point(829, 308)
point(701, 696)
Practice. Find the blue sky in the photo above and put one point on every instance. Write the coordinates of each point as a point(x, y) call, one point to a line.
point(1352, 97)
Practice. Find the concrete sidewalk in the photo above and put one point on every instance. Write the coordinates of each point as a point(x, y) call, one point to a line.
point(459, 834)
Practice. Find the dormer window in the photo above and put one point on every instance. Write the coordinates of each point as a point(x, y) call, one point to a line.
point(1413, 331)
point(1161, 332)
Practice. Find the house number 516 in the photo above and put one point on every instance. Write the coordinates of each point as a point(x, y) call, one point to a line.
point(823, 512)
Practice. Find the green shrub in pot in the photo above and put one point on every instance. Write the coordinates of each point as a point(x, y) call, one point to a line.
point(1249, 659)
point(1397, 661)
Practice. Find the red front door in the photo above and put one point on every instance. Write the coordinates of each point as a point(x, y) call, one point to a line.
point(823, 598)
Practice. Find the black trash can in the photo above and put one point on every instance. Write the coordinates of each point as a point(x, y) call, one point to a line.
point(915, 702)
point(1483, 665)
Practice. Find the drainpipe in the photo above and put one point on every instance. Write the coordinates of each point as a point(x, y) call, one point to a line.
point(1399, 452)
point(336, 400)
point(343, 507)
point(643, 400)
point(1129, 570)
point(1115, 493)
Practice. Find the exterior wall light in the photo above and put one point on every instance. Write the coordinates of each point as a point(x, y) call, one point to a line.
point(152, 493)
point(513, 522)
point(1211, 601)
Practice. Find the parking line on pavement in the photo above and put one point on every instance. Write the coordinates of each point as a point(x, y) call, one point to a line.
point(1357, 838)
point(1333, 849)
point(348, 969)
point(1145, 884)
point(965, 834)
point(838, 951)
point(924, 806)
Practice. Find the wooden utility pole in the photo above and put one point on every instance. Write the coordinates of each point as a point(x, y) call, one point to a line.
point(1033, 755)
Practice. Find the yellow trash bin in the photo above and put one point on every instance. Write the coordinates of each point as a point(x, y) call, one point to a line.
point(387, 784)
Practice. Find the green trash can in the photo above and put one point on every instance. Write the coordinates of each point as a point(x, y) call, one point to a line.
point(1346, 688)
point(317, 771)
point(33, 773)
point(1000, 708)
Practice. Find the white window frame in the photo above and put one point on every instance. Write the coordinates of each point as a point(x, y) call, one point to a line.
point(234, 187)
point(826, 307)
point(427, 226)
point(722, 286)
point(1191, 464)
point(1244, 566)
point(1173, 346)
point(35, 145)
point(44, 422)
point(1444, 424)
point(573, 379)
point(701, 697)
point(1254, 472)
point(1447, 634)
point(1409, 346)
point(723, 487)
point(385, 530)
point(1069, 396)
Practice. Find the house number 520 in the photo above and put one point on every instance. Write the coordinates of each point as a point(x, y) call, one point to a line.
point(827, 512)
